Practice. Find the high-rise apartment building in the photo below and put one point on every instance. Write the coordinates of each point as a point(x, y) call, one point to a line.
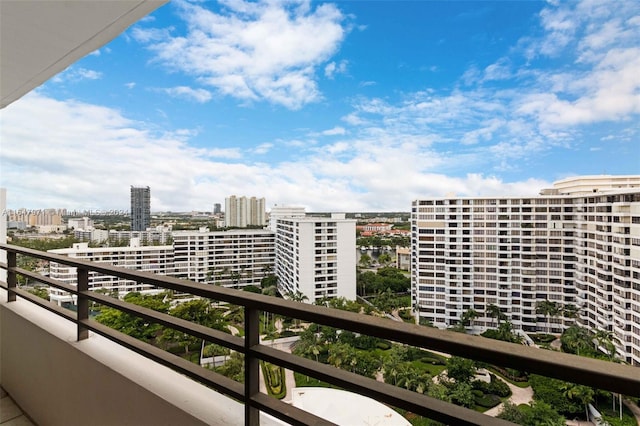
point(217, 208)
point(315, 256)
point(235, 258)
point(140, 208)
point(37, 217)
point(241, 212)
point(3, 231)
point(577, 244)
point(157, 259)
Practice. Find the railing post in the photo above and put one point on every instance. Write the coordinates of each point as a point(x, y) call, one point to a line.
point(83, 302)
point(251, 365)
point(12, 278)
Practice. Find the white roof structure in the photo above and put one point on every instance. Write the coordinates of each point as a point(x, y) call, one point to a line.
point(345, 408)
point(38, 39)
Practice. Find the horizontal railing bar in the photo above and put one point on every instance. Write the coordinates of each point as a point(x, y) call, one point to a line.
point(51, 307)
point(43, 279)
point(210, 378)
point(402, 398)
point(3, 265)
point(287, 412)
point(215, 336)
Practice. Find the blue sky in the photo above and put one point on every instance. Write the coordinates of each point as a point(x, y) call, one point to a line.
point(336, 106)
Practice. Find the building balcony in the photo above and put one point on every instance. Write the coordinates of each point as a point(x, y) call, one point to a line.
point(63, 368)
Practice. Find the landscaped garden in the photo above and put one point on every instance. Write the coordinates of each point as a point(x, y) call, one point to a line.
point(451, 379)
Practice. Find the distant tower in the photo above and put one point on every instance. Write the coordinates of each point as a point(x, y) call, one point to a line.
point(140, 208)
point(230, 211)
point(217, 208)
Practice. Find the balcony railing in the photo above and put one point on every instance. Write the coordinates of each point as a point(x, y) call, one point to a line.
point(617, 378)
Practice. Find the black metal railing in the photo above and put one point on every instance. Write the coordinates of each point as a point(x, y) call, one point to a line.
point(599, 374)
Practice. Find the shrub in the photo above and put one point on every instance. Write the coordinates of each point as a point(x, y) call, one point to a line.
point(431, 360)
point(498, 387)
point(384, 345)
point(488, 400)
point(274, 379)
point(511, 374)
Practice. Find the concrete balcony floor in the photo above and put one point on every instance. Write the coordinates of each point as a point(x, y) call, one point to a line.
point(10, 413)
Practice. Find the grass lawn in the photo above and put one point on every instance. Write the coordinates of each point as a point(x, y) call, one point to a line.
point(432, 369)
point(415, 419)
point(308, 381)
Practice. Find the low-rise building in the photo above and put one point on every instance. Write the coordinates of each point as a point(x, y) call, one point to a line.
point(156, 259)
point(235, 258)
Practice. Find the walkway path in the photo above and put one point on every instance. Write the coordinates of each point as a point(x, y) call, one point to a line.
point(579, 423)
point(518, 396)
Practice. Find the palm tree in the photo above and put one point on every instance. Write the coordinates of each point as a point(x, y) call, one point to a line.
point(365, 261)
point(604, 339)
point(581, 393)
point(341, 355)
point(235, 278)
point(468, 316)
point(385, 259)
point(570, 311)
point(575, 339)
point(494, 311)
point(548, 309)
point(297, 296)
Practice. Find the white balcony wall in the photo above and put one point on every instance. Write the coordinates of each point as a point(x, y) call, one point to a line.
point(59, 381)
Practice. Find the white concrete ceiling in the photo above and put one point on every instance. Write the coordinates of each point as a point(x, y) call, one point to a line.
point(40, 38)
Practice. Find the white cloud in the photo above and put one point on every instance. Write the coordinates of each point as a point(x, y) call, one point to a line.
point(560, 25)
point(499, 70)
point(263, 148)
point(130, 85)
point(354, 119)
point(609, 91)
point(198, 95)
point(253, 51)
point(388, 150)
point(484, 133)
point(379, 170)
point(335, 131)
point(332, 68)
point(73, 74)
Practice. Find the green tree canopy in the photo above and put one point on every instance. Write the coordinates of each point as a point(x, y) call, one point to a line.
point(131, 325)
point(538, 413)
point(549, 310)
point(461, 369)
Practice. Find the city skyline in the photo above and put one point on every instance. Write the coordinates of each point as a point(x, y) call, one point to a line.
point(349, 106)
